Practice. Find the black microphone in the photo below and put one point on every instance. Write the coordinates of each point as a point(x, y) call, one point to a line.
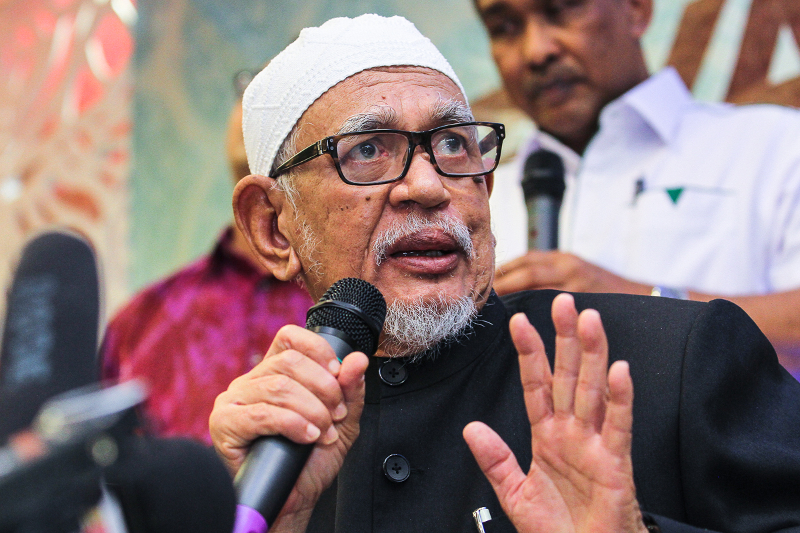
point(51, 327)
point(51, 480)
point(543, 187)
point(350, 317)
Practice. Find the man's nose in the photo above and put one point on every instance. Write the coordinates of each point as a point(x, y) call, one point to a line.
point(422, 185)
point(540, 44)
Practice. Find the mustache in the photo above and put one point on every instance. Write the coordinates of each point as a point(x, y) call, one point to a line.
point(414, 223)
point(540, 78)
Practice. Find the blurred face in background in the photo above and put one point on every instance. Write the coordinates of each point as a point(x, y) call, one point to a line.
point(234, 144)
point(562, 61)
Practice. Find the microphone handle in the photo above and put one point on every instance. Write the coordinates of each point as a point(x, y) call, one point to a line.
point(544, 222)
point(263, 491)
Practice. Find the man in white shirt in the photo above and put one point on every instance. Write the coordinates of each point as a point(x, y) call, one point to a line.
point(664, 195)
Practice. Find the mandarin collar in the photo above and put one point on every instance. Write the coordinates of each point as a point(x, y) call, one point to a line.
point(486, 329)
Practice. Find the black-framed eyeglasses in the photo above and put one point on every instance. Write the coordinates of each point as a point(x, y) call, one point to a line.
point(382, 156)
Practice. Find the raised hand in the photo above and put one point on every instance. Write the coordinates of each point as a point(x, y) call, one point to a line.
point(581, 476)
point(301, 391)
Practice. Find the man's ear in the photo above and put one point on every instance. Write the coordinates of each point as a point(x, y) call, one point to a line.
point(258, 208)
point(642, 12)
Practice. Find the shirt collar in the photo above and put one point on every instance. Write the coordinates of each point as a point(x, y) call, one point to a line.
point(658, 102)
point(454, 356)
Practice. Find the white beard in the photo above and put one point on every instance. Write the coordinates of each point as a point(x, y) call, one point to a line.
point(416, 329)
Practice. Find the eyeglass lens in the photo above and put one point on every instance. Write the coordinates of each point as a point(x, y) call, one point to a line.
point(381, 156)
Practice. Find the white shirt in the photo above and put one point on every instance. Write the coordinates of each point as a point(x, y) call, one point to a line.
point(718, 202)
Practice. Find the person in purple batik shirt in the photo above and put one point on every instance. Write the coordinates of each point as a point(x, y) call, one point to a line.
point(188, 336)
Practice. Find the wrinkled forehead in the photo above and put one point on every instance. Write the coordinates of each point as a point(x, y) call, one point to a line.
point(407, 98)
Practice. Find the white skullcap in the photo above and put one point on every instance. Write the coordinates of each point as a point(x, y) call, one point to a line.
point(319, 59)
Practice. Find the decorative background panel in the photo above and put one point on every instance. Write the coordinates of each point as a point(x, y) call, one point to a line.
point(65, 123)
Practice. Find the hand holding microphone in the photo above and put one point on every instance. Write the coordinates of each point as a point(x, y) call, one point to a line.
point(302, 392)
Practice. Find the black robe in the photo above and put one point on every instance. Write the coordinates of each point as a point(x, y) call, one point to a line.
point(716, 422)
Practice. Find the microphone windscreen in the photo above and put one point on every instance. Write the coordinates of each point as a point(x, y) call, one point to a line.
point(172, 486)
point(352, 306)
point(51, 327)
point(543, 175)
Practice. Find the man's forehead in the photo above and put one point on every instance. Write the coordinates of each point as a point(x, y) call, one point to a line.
point(380, 98)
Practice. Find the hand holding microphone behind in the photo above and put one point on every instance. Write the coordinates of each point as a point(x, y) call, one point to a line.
point(550, 269)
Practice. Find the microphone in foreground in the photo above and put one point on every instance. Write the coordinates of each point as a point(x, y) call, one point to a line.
point(543, 187)
point(172, 486)
point(51, 327)
point(86, 445)
point(350, 317)
point(50, 479)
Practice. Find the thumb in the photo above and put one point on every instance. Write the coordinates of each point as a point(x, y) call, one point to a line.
point(351, 379)
point(496, 460)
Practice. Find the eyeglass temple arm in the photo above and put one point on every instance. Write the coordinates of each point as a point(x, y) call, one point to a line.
point(304, 155)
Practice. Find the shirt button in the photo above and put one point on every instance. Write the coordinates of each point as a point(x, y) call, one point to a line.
point(396, 468)
point(393, 372)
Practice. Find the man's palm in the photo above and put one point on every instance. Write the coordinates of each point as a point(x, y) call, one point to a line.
point(581, 477)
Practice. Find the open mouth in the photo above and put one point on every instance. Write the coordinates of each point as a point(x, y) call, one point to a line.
point(430, 243)
point(426, 252)
point(422, 253)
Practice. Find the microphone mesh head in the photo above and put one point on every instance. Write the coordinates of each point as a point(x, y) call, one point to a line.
point(363, 329)
point(543, 175)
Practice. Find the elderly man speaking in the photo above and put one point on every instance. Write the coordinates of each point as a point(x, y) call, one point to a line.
point(362, 148)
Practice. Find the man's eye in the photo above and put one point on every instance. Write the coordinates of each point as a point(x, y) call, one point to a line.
point(450, 145)
point(366, 151)
point(363, 152)
point(503, 28)
point(559, 9)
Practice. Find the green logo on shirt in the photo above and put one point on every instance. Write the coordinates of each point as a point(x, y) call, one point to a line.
point(674, 194)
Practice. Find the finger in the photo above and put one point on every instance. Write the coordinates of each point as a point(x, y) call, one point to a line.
point(249, 420)
point(233, 428)
point(351, 379)
point(307, 342)
point(282, 392)
point(534, 370)
point(508, 282)
point(304, 370)
point(530, 271)
point(527, 260)
point(590, 394)
point(617, 428)
point(568, 353)
point(496, 461)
